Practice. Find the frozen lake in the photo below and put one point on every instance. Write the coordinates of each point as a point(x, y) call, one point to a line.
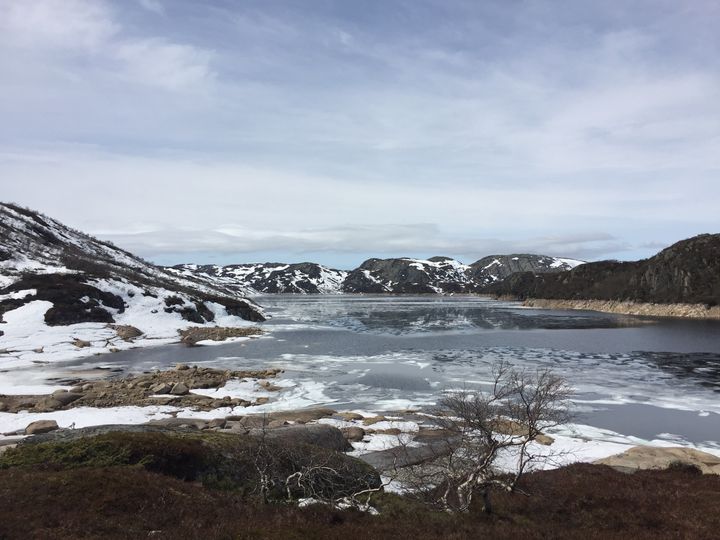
point(635, 378)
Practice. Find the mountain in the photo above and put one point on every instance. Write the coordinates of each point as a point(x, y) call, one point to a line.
point(405, 275)
point(437, 275)
point(494, 268)
point(75, 278)
point(302, 278)
point(687, 272)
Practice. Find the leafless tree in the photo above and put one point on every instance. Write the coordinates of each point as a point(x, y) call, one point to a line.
point(504, 422)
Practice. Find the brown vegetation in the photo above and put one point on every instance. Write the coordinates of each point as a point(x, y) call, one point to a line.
point(589, 501)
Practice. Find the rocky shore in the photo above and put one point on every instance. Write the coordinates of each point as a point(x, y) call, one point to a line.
point(687, 311)
point(171, 387)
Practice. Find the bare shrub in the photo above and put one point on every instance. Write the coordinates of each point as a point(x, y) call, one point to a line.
point(482, 427)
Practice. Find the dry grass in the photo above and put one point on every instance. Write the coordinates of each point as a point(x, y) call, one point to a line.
point(591, 502)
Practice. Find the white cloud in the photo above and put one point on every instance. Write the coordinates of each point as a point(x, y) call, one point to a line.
point(175, 205)
point(49, 24)
point(286, 123)
point(169, 65)
point(89, 31)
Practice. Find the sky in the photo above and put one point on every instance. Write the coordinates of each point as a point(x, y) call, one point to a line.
point(231, 131)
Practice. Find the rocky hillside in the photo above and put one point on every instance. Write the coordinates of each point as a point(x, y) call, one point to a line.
point(437, 275)
point(69, 278)
point(302, 278)
point(417, 276)
point(495, 268)
point(686, 272)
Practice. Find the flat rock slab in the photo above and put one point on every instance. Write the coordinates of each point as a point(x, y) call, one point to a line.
point(407, 456)
point(41, 426)
point(321, 435)
point(301, 416)
point(653, 457)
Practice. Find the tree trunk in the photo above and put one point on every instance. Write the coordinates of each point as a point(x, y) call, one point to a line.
point(487, 505)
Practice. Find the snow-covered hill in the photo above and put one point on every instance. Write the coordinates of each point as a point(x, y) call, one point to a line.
point(495, 268)
point(260, 278)
point(405, 275)
point(437, 275)
point(62, 290)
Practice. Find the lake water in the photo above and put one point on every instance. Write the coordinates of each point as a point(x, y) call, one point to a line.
point(637, 377)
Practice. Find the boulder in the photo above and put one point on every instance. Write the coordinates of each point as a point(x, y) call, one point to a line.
point(353, 434)
point(298, 417)
point(161, 388)
point(41, 426)
point(193, 423)
point(652, 457)
point(303, 416)
point(324, 436)
point(179, 389)
point(406, 456)
point(48, 404)
point(217, 423)
point(64, 397)
point(127, 332)
point(349, 416)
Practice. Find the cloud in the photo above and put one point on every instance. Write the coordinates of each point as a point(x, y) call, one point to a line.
point(52, 24)
point(380, 240)
point(153, 5)
point(496, 125)
point(88, 34)
point(168, 65)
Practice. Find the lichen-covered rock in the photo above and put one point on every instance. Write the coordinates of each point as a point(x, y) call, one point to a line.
point(41, 426)
point(179, 389)
point(653, 457)
point(353, 434)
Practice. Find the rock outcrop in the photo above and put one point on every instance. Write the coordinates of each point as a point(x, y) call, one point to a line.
point(687, 272)
point(495, 268)
point(414, 276)
point(652, 457)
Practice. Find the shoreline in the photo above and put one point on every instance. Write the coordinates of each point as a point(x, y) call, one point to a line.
point(232, 401)
point(647, 309)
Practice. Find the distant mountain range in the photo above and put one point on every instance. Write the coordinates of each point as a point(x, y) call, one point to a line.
point(83, 279)
point(437, 275)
